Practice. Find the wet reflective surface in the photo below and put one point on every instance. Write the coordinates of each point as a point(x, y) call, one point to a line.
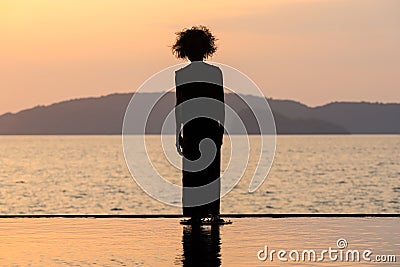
point(164, 242)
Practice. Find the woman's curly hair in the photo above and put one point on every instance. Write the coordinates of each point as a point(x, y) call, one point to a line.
point(194, 43)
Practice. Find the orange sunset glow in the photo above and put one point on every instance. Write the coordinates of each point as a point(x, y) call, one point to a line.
point(120, 146)
point(313, 51)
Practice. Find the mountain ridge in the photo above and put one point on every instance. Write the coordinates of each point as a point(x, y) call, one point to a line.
point(104, 115)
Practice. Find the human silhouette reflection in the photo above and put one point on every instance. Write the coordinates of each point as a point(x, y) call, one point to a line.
point(201, 246)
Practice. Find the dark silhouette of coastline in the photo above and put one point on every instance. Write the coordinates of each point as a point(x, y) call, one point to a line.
point(104, 115)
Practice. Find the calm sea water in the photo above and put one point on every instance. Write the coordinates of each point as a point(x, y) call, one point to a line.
point(310, 174)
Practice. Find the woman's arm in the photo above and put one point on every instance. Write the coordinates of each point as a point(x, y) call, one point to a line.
point(178, 118)
point(221, 98)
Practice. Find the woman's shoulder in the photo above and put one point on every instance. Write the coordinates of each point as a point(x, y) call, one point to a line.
point(198, 72)
point(198, 66)
point(215, 67)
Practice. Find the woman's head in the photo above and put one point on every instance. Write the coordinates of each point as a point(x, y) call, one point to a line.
point(196, 43)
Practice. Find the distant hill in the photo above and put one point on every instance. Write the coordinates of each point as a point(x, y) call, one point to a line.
point(104, 115)
point(356, 117)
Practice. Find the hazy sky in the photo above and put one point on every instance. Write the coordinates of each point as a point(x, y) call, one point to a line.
point(314, 51)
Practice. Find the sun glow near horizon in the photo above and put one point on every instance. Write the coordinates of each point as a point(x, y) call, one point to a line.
point(314, 51)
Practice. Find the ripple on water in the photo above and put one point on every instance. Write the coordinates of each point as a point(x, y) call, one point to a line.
point(345, 174)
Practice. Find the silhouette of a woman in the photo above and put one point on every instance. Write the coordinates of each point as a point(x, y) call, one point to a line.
point(199, 121)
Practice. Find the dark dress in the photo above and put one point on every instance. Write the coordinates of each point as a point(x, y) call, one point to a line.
point(200, 81)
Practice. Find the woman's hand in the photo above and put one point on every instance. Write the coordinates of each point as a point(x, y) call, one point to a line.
point(221, 130)
point(178, 143)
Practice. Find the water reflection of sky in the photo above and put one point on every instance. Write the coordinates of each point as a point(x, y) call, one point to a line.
point(164, 242)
